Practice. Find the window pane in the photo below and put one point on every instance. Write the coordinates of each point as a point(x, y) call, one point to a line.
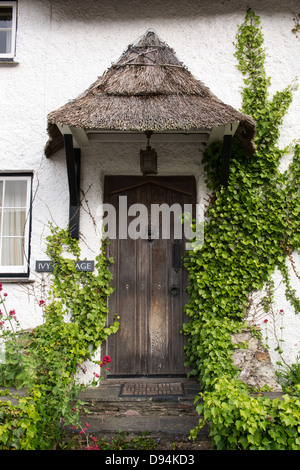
point(5, 42)
point(12, 252)
point(15, 193)
point(6, 14)
point(14, 222)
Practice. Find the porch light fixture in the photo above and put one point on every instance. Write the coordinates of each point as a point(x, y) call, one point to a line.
point(148, 158)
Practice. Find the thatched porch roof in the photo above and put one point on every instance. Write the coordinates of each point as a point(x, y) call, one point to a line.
point(147, 89)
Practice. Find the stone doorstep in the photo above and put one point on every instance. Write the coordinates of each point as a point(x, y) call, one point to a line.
point(164, 414)
point(142, 408)
point(134, 424)
point(109, 390)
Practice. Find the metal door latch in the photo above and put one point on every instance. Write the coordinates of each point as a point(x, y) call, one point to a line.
point(174, 290)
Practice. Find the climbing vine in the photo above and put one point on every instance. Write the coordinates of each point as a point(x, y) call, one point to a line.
point(46, 362)
point(253, 226)
point(296, 27)
point(78, 300)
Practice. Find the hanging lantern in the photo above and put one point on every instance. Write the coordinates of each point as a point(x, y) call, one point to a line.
point(148, 158)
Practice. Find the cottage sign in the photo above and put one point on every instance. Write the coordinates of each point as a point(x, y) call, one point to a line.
point(47, 266)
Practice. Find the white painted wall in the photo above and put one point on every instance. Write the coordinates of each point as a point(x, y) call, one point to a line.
point(64, 45)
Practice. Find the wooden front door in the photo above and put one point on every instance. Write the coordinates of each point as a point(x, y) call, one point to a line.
point(148, 276)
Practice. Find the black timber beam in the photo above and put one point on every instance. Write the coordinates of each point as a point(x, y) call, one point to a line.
point(73, 170)
point(226, 155)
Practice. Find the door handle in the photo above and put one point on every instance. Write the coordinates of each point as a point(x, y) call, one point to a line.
point(174, 290)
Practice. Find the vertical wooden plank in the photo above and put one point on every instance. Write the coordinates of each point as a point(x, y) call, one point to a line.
point(113, 251)
point(123, 301)
point(179, 279)
point(143, 196)
point(175, 301)
point(158, 321)
point(127, 356)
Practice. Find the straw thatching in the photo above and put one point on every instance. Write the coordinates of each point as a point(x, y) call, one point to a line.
point(147, 89)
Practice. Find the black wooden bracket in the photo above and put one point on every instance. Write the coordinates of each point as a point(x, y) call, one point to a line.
point(73, 169)
point(227, 144)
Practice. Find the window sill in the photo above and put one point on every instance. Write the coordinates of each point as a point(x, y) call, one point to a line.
point(8, 63)
point(20, 280)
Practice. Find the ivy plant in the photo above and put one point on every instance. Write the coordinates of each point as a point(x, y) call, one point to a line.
point(252, 227)
point(46, 362)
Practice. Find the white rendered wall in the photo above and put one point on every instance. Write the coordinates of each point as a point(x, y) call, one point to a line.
point(63, 46)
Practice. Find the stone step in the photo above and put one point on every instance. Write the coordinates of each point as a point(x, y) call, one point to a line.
point(167, 414)
point(154, 425)
point(132, 389)
point(142, 407)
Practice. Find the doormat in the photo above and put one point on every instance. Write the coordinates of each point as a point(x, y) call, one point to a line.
point(151, 389)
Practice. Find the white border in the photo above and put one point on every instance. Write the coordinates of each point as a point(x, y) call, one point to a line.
point(21, 269)
point(12, 53)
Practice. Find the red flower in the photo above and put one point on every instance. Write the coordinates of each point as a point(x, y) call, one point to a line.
point(107, 359)
point(266, 320)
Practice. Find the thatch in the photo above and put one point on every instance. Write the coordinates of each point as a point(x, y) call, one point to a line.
point(148, 89)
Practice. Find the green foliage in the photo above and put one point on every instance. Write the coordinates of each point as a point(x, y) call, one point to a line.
point(253, 227)
point(239, 421)
point(76, 316)
point(296, 27)
point(289, 376)
point(268, 114)
point(19, 423)
point(45, 362)
point(120, 441)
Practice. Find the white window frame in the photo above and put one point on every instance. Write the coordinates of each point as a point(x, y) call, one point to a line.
point(11, 53)
point(18, 270)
